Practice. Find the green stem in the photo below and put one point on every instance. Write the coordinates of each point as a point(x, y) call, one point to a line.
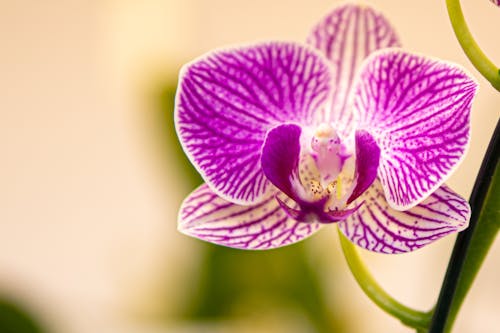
point(379, 296)
point(484, 65)
point(482, 239)
point(473, 244)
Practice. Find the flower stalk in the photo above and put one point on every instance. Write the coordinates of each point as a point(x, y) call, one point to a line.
point(408, 316)
point(477, 57)
point(473, 244)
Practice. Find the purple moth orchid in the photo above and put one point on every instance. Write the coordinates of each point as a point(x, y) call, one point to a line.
point(345, 129)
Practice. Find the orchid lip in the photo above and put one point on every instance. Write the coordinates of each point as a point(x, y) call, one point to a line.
point(317, 176)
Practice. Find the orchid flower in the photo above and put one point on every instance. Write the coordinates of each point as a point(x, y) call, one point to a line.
point(346, 128)
point(496, 2)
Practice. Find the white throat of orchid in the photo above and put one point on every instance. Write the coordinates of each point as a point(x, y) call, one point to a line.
point(326, 168)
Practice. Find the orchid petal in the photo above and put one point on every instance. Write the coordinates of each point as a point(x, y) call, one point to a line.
point(206, 216)
point(379, 228)
point(228, 99)
point(347, 36)
point(280, 157)
point(418, 110)
point(367, 160)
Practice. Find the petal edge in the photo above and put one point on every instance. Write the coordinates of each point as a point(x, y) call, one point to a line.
point(418, 110)
point(206, 216)
point(379, 228)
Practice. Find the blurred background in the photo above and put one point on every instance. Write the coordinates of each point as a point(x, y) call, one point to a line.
point(92, 176)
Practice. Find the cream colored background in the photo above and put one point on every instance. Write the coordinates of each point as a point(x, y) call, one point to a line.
point(87, 204)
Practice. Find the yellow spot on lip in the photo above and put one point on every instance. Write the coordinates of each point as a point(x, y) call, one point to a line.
point(316, 189)
point(339, 188)
point(333, 187)
point(324, 131)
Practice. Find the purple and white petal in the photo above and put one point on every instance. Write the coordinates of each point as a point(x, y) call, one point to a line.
point(367, 160)
point(379, 228)
point(206, 216)
point(228, 99)
point(347, 36)
point(280, 157)
point(418, 110)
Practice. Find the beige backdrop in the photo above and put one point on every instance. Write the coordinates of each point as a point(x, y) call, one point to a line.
point(87, 204)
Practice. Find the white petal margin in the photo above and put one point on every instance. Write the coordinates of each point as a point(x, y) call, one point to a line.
point(379, 228)
point(229, 98)
point(208, 217)
point(418, 110)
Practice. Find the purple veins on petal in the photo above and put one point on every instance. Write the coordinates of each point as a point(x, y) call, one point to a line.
point(378, 227)
point(228, 99)
point(206, 216)
point(418, 110)
point(347, 36)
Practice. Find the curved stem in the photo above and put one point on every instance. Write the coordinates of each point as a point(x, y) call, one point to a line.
point(484, 65)
point(374, 291)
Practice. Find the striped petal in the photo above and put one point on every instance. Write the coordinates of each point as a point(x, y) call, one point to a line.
point(347, 36)
point(379, 228)
point(206, 216)
point(418, 110)
point(228, 99)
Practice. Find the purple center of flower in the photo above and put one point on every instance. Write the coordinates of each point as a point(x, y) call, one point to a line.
point(319, 171)
point(328, 151)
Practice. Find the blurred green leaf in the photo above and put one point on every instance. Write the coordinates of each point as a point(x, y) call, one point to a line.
point(231, 278)
point(235, 283)
point(15, 319)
